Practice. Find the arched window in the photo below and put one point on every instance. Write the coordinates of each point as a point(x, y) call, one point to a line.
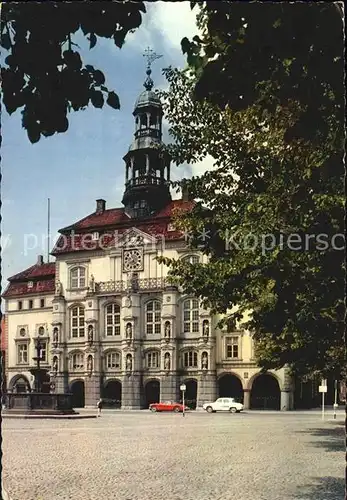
point(191, 259)
point(78, 277)
point(153, 317)
point(152, 359)
point(190, 359)
point(112, 319)
point(191, 316)
point(113, 361)
point(78, 361)
point(77, 321)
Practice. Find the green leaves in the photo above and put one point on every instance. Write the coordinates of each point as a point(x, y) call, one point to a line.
point(113, 100)
point(276, 177)
point(44, 74)
point(92, 40)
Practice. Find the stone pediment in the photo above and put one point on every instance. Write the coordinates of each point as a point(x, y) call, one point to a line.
point(134, 238)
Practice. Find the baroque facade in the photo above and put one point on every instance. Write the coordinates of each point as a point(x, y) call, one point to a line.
point(110, 324)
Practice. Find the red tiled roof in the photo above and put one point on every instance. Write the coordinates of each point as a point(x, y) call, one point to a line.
point(115, 221)
point(36, 271)
point(117, 216)
point(43, 286)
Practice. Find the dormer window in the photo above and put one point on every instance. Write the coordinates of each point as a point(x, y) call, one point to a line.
point(95, 236)
point(30, 284)
point(171, 227)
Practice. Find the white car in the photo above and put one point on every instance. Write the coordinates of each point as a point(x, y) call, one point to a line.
point(223, 404)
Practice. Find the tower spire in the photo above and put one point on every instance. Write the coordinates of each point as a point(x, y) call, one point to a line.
point(151, 56)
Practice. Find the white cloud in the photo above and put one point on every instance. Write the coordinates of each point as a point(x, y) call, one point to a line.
point(173, 20)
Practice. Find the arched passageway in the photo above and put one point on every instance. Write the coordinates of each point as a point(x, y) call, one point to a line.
point(77, 390)
point(265, 393)
point(230, 386)
point(19, 383)
point(191, 393)
point(152, 392)
point(111, 394)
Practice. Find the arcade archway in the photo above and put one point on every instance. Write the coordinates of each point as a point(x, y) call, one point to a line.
point(19, 383)
point(230, 386)
point(112, 394)
point(191, 393)
point(152, 392)
point(265, 393)
point(77, 390)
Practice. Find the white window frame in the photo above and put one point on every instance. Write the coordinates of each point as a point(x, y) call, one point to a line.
point(77, 361)
point(78, 277)
point(20, 352)
point(109, 360)
point(79, 328)
point(153, 359)
point(153, 318)
point(191, 258)
point(190, 359)
point(232, 341)
point(43, 351)
point(114, 315)
point(190, 315)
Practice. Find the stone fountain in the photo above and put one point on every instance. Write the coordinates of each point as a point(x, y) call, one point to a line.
point(38, 402)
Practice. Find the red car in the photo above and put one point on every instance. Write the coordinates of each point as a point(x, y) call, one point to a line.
point(167, 406)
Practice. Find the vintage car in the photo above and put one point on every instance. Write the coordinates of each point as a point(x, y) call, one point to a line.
point(223, 404)
point(167, 406)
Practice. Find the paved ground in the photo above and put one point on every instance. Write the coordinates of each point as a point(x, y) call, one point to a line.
point(143, 456)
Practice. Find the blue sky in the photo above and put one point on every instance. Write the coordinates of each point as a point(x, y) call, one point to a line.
point(85, 163)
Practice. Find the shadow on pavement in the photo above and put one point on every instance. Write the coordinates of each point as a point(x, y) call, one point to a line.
point(331, 438)
point(329, 488)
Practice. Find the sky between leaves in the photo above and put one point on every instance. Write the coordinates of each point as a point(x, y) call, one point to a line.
point(85, 163)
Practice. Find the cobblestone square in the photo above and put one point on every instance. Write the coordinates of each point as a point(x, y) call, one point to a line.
point(142, 456)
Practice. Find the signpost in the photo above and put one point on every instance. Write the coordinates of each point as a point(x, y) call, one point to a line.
point(323, 389)
point(335, 399)
point(183, 389)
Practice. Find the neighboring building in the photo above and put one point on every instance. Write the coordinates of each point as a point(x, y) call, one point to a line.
point(111, 324)
point(4, 341)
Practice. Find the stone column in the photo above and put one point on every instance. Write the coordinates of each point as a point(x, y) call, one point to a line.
point(207, 389)
point(169, 387)
point(132, 398)
point(61, 383)
point(286, 401)
point(91, 391)
point(147, 163)
point(246, 399)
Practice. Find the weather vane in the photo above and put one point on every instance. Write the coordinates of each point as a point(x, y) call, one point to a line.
point(151, 56)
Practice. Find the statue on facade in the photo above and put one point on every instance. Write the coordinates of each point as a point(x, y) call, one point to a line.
point(58, 288)
point(90, 365)
point(204, 361)
point(167, 330)
point(206, 329)
point(55, 366)
point(90, 334)
point(129, 331)
point(129, 363)
point(167, 361)
point(92, 284)
point(55, 335)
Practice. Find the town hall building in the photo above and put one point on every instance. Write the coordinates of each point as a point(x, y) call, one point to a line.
point(109, 322)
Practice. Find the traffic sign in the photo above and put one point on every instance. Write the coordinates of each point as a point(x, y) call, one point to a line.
point(322, 388)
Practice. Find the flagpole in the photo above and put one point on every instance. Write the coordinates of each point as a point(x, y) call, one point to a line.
point(48, 227)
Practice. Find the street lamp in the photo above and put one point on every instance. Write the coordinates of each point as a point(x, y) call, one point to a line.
point(183, 389)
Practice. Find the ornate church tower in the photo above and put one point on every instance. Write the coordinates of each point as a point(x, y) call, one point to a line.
point(147, 168)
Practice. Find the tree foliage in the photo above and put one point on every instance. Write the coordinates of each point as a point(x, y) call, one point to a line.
point(44, 74)
point(269, 109)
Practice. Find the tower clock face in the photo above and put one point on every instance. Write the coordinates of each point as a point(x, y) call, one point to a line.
point(132, 260)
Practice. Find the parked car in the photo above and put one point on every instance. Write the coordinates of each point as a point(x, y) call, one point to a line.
point(167, 406)
point(223, 404)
